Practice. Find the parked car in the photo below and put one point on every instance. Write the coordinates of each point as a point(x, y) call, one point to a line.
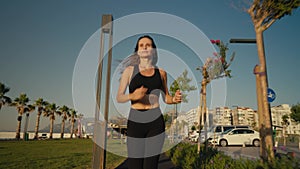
point(216, 130)
point(44, 136)
point(239, 136)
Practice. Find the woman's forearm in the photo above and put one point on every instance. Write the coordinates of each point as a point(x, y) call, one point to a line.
point(169, 99)
point(124, 98)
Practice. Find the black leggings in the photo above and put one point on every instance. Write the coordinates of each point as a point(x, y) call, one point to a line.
point(145, 138)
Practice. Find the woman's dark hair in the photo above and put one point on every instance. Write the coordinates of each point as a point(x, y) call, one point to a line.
point(134, 59)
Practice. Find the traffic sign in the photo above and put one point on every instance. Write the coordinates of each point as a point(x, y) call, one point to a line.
point(271, 95)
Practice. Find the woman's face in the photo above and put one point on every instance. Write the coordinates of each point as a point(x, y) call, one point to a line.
point(145, 48)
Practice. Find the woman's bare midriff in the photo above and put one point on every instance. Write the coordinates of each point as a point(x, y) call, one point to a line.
point(149, 102)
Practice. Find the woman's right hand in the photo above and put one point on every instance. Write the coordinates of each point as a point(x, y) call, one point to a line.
point(139, 93)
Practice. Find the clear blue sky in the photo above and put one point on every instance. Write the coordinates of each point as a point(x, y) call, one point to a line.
point(41, 40)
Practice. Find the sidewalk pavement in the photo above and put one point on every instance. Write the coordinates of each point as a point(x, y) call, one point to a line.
point(289, 149)
point(164, 163)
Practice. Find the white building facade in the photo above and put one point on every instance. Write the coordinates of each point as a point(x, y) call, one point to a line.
point(277, 113)
point(244, 116)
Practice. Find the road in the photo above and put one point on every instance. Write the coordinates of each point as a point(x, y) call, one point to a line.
point(239, 151)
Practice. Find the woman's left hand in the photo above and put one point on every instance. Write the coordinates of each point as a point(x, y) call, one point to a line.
point(177, 97)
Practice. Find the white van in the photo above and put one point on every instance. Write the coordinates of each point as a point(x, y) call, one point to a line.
point(217, 130)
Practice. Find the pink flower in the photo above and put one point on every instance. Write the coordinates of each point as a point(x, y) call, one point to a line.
point(222, 60)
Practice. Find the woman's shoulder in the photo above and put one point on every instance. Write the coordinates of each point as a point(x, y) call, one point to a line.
point(129, 69)
point(162, 72)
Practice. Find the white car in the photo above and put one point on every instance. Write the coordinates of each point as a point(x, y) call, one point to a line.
point(216, 130)
point(239, 136)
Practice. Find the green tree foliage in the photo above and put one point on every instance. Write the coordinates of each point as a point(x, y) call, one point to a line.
point(285, 120)
point(41, 105)
point(51, 111)
point(266, 12)
point(65, 113)
point(295, 115)
point(21, 104)
point(182, 83)
point(3, 98)
point(193, 128)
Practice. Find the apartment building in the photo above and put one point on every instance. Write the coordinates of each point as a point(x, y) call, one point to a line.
point(277, 113)
point(239, 115)
point(223, 115)
point(245, 116)
point(192, 117)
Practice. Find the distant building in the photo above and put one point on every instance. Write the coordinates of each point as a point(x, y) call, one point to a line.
point(277, 113)
point(223, 115)
point(245, 116)
point(192, 117)
point(182, 126)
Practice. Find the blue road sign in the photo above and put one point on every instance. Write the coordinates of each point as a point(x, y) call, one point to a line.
point(271, 95)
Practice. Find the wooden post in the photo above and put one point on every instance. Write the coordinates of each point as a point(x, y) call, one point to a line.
point(100, 127)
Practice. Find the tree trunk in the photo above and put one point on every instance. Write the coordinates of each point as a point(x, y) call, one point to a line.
point(200, 117)
point(18, 130)
point(266, 130)
point(259, 109)
point(51, 128)
point(172, 128)
point(25, 126)
point(204, 83)
point(176, 124)
point(204, 114)
point(72, 128)
point(37, 124)
point(62, 128)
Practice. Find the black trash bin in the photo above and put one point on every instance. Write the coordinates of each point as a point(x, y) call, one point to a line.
point(26, 136)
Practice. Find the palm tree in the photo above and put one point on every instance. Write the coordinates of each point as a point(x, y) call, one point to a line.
point(51, 111)
point(263, 14)
point(3, 98)
point(40, 104)
point(73, 116)
point(21, 104)
point(30, 108)
point(79, 125)
point(65, 114)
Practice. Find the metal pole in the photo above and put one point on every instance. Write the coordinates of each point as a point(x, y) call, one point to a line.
point(242, 40)
point(100, 127)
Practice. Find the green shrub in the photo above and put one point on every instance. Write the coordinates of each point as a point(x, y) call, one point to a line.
point(185, 156)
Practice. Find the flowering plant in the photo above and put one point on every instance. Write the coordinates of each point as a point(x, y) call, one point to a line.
point(217, 66)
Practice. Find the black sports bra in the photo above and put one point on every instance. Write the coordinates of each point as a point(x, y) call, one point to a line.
point(153, 83)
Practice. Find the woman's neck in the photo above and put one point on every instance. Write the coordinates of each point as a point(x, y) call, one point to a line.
point(145, 63)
